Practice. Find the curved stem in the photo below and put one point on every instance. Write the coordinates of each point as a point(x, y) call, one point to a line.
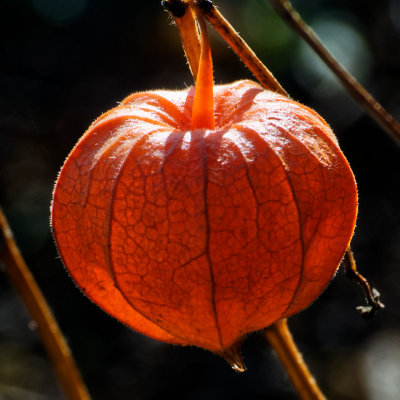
point(240, 47)
point(47, 326)
point(280, 339)
point(359, 93)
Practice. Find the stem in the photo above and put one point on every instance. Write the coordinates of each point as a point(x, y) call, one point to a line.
point(280, 339)
point(185, 21)
point(203, 102)
point(48, 329)
point(359, 93)
point(240, 47)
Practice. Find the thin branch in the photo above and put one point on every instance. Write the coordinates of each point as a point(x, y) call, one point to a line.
point(48, 329)
point(240, 47)
point(372, 295)
point(280, 339)
point(359, 93)
point(188, 32)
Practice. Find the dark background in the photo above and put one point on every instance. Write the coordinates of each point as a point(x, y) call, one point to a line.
point(63, 63)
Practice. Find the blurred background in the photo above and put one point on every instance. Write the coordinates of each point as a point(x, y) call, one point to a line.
point(64, 62)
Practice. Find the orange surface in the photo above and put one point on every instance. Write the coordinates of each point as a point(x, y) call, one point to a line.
point(203, 103)
point(200, 236)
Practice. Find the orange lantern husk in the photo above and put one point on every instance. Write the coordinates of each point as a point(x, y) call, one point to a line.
point(200, 215)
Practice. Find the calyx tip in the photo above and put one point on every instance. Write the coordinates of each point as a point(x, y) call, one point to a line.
point(233, 357)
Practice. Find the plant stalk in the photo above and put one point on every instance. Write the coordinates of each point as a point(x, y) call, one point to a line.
point(285, 9)
point(49, 331)
point(240, 47)
point(281, 340)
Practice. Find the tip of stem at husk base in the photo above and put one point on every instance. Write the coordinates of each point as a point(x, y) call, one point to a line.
point(233, 357)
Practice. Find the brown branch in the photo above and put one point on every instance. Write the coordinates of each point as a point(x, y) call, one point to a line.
point(372, 295)
point(239, 46)
point(280, 339)
point(48, 329)
point(186, 24)
point(285, 9)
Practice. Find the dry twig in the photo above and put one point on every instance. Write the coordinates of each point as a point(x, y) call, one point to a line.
point(359, 93)
point(47, 326)
point(280, 339)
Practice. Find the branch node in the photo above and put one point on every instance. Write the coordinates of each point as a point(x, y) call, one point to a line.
point(176, 7)
point(205, 5)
